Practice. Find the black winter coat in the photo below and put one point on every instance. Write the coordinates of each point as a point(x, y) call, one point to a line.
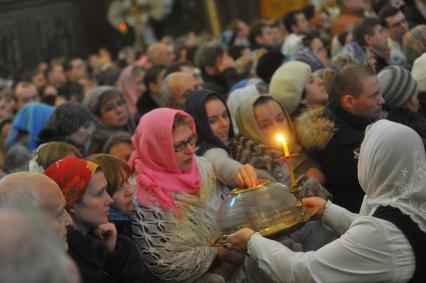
point(96, 265)
point(337, 159)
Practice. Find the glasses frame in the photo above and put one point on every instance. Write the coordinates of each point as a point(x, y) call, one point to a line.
point(192, 140)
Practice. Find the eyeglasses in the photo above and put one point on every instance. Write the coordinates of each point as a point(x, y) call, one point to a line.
point(182, 145)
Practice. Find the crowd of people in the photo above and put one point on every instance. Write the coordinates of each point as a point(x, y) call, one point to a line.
point(112, 170)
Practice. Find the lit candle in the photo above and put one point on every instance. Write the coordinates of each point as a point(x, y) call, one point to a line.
point(281, 138)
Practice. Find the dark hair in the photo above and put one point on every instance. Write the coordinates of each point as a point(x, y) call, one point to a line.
point(208, 53)
point(309, 11)
point(307, 40)
point(256, 30)
point(379, 5)
point(387, 12)
point(268, 63)
point(152, 74)
point(363, 28)
point(116, 139)
point(349, 80)
point(290, 20)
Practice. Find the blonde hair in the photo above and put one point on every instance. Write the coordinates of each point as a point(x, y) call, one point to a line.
point(50, 152)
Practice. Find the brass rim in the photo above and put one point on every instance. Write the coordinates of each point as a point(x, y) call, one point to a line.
point(266, 232)
point(237, 191)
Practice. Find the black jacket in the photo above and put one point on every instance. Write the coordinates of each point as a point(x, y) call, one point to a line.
point(222, 83)
point(97, 265)
point(337, 158)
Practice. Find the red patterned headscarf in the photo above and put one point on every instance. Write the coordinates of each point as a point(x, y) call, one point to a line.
point(72, 175)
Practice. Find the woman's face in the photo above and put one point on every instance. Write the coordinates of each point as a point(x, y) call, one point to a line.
point(113, 112)
point(92, 208)
point(271, 121)
point(315, 91)
point(83, 134)
point(218, 118)
point(184, 146)
point(318, 49)
point(122, 150)
point(123, 198)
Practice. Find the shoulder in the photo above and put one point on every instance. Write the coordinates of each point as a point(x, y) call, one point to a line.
point(314, 129)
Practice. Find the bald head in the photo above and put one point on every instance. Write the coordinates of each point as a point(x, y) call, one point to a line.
point(25, 190)
point(176, 87)
point(39, 186)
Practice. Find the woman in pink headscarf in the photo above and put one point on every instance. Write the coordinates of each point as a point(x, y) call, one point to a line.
point(177, 198)
point(130, 83)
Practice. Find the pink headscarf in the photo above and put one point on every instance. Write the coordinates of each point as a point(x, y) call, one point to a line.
point(154, 162)
point(127, 84)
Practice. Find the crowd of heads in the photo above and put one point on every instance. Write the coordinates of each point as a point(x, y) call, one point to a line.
point(369, 59)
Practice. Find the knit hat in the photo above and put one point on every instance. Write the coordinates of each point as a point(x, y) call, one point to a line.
point(64, 121)
point(414, 43)
point(419, 72)
point(397, 86)
point(72, 175)
point(288, 83)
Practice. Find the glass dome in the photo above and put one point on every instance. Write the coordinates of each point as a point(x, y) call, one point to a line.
point(268, 208)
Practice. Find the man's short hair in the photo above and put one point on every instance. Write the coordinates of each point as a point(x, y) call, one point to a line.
point(208, 53)
point(309, 11)
point(349, 80)
point(256, 29)
point(363, 28)
point(22, 84)
point(151, 75)
point(387, 12)
point(290, 20)
point(177, 67)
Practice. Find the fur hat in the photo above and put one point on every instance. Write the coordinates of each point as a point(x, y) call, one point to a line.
point(288, 83)
point(419, 72)
point(397, 86)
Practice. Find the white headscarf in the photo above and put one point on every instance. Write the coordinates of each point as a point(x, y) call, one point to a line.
point(392, 170)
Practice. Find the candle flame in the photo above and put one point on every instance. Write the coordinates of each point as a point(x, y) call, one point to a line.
point(280, 138)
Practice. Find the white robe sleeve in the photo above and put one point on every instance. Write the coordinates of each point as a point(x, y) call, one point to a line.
point(372, 250)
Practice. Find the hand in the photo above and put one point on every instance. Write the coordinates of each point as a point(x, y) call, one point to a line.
point(315, 205)
point(234, 257)
point(247, 176)
point(108, 234)
point(238, 240)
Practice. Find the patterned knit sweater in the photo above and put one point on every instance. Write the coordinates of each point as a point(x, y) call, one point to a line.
point(177, 249)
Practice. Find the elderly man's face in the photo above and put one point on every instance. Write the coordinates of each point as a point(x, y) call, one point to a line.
point(53, 203)
point(180, 87)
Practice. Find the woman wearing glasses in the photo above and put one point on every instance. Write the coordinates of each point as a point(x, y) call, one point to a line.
point(176, 201)
point(111, 115)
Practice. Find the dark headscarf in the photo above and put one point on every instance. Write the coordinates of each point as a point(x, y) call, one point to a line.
point(195, 105)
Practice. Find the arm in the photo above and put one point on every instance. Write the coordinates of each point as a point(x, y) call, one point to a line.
point(225, 168)
point(371, 251)
point(230, 171)
point(339, 218)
